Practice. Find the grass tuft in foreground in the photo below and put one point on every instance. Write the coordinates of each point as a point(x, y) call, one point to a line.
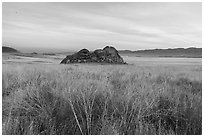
point(69, 101)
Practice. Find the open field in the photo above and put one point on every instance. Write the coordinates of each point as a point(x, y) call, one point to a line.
point(148, 96)
point(10, 58)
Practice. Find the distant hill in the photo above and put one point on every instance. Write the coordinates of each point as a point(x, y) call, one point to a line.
point(177, 52)
point(8, 50)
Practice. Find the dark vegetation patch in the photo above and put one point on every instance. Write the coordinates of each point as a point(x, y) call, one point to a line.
point(50, 54)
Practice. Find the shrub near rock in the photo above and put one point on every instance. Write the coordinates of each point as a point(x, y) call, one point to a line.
point(105, 55)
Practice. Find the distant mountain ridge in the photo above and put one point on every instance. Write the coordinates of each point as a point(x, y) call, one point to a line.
point(191, 52)
point(176, 52)
point(6, 49)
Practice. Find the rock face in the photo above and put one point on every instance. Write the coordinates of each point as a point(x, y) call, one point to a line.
point(105, 55)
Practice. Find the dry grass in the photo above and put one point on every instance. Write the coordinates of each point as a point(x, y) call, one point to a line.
point(95, 99)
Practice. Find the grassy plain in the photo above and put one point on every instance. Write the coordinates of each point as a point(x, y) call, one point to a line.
point(149, 96)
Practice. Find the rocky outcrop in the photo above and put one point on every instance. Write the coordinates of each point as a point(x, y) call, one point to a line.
point(105, 55)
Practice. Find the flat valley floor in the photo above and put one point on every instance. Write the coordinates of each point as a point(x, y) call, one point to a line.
point(147, 96)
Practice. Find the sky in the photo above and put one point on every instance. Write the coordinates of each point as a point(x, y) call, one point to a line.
point(63, 27)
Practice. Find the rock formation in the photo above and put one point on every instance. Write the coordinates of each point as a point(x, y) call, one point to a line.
point(105, 55)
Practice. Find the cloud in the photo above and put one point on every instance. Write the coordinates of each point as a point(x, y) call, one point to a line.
point(73, 26)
